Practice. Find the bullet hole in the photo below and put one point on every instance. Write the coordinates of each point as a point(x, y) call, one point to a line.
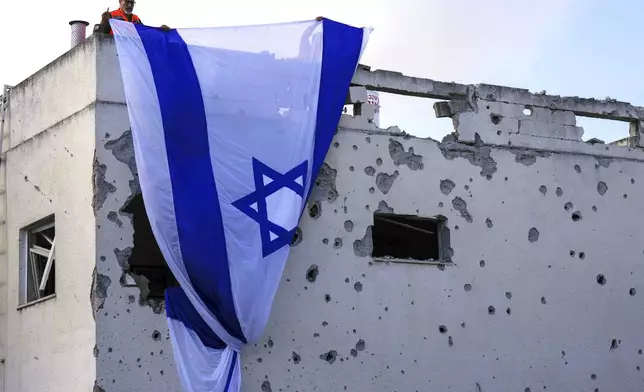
point(440, 204)
point(632, 181)
point(312, 273)
point(348, 226)
point(527, 390)
point(543, 190)
point(442, 329)
point(266, 386)
point(355, 148)
point(316, 335)
point(495, 118)
point(488, 223)
point(327, 297)
point(582, 255)
point(460, 205)
point(572, 253)
point(456, 227)
point(467, 287)
point(361, 345)
point(462, 325)
point(577, 169)
point(315, 209)
point(482, 263)
point(543, 300)
point(324, 323)
point(508, 311)
point(296, 358)
point(639, 352)
point(601, 279)
point(625, 196)
point(297, 237)
point(336, 144)
point(593, 376)
point(329, 356)
point(354, 352)
point(594, 208)
point(632, 292)
point(325, 241)
point(602, 188)
point(156, 336)
point(638, 368)
point(370, 171)
point(491, 310)
point(446, 186)
point(559, 192)
point(576, 216)
point(269, 342)
point(351, 168)
point(508, 295)
point(568, 206)
point(450, 342)
point(614, 344)
point(372, 190)
point(337, 243)
point(357, 286)
point(533, 235)
point(384, 181)
point(259, 359)
point(379, 161)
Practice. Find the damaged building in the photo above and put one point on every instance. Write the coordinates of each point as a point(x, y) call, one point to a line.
point(502, 258)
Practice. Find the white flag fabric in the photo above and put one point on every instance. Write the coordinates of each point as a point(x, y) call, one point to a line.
point(230, 127)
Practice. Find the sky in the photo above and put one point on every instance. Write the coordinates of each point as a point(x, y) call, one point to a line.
point(567, 47)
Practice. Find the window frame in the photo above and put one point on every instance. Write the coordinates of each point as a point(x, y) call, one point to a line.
point(23, 270)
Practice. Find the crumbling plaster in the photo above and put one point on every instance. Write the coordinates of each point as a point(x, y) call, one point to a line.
point(132, 342)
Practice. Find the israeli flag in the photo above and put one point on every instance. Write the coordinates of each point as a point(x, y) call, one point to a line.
point(230, 128)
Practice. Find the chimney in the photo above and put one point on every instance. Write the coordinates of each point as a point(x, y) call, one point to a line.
point(78, 31)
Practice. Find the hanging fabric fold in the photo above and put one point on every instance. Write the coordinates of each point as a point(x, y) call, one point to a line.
point(230, 127)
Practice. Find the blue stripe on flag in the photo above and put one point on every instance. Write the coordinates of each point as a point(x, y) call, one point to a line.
point(179, 307)
point(233, 362)
point(196, 205)
point(340, 54)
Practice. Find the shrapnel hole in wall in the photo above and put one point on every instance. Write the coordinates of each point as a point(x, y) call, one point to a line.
point(409, 237)
point(146, 259)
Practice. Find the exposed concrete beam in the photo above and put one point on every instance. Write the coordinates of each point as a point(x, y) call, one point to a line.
point(397, 83)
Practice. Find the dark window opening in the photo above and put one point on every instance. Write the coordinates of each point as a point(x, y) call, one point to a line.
point(410, 237)
point(146, 259)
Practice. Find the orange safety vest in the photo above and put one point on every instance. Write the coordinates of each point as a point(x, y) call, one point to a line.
point(120, 15)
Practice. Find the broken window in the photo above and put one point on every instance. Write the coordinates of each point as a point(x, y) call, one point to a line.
point(146, 259)
point(37, 261)
point(410, 238)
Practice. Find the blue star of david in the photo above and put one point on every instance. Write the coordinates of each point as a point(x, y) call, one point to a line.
point(254, 204)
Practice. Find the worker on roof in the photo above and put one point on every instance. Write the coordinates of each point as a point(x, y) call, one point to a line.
point(124, 12)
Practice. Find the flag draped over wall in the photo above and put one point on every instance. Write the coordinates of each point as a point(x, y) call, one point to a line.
point(230, 128)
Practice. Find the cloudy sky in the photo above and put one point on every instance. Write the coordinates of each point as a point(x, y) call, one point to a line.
point(566, 47)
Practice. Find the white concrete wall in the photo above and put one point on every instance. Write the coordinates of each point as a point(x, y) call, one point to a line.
point(49, 344)
point(563, 344)
point(64, 87)
point(133, 347)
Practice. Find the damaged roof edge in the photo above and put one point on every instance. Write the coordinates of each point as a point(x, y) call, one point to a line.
point(397, 83)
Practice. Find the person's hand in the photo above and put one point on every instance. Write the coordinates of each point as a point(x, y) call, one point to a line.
point(106, 15)
point(319, 18)
point(165, 28)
